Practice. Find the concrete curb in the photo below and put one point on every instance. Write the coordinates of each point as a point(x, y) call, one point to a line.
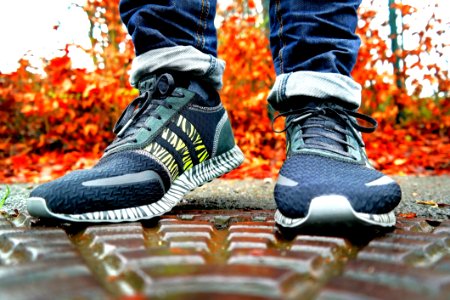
point(254, 194)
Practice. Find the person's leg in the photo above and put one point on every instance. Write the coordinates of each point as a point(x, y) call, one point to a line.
point(314, 49)
point(326, 178)
point(173, 35)
point(173, 138)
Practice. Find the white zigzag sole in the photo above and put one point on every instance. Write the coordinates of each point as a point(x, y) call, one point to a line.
point(189, 180)
point(334, 210)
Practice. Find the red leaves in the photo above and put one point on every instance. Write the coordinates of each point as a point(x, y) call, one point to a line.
point(411, 150)
point(409, 215)
point(247, 81)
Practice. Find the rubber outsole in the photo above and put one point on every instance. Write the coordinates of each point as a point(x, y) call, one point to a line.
point(189, 180)
point(334, 210)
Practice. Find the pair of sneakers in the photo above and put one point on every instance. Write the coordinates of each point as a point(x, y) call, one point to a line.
point(177, 136)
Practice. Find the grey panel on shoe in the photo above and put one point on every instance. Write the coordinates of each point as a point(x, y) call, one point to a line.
point(286, 181)
point(125, 179)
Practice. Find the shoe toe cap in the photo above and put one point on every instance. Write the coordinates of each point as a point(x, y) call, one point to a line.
point(305, 178)
point(102, 188)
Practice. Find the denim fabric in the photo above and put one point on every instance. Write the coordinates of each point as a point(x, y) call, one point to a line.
point(155, 24)
point(202, 66)
point(314, 35)
point(319, 85)
point(313, 44)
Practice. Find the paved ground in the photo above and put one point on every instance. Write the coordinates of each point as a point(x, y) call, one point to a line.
point(200, 252)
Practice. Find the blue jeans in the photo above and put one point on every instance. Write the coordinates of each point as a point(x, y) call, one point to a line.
point(313, 44)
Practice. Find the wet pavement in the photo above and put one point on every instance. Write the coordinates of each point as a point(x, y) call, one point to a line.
point(233, 253)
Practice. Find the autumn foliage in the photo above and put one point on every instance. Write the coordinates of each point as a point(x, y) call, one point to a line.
point(62, 121)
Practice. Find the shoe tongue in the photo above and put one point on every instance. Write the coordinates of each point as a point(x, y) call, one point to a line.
point(150, 81)
point(208, 95)
point(322, 126)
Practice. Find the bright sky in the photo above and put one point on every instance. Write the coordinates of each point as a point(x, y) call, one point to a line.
point(27, 26)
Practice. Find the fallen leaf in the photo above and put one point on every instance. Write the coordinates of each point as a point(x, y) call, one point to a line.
point(430, 202)
point(409, 215)
point(400, 161)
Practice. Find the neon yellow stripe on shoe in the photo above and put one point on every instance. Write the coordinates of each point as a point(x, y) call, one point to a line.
point(177, 143)
point(164, 157)
point(194, 136)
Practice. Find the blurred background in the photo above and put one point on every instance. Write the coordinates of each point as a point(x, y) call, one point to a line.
point(64, 82)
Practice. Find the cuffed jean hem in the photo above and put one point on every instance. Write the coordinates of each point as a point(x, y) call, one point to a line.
point(315, 84)
point(179, 59)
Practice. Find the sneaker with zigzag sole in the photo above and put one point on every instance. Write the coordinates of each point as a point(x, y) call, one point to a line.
point(170, 140)
point(327, 180)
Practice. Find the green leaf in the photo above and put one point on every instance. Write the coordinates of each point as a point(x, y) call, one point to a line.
point(8, 191)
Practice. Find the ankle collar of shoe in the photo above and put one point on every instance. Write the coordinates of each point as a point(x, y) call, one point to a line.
point(208, 95)
point(147, 81)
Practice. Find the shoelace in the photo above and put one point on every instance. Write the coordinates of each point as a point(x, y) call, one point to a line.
point(144, 105)
point(325, 126)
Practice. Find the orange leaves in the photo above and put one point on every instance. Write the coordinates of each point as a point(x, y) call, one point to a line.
point(404, 8)
point(409, 215)
point(31, 167)
point(247, 81)
point(409, 151)
point(59, 63)
point(433, 203)
point(90, 129)
point(65, 117)
point(251, 4)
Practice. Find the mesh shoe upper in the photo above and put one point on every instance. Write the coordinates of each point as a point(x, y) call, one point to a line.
point(87, 190)
point(325, 156)
point(167, 130)
point(316, 175)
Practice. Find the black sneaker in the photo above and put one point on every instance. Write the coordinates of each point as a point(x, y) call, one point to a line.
point(171, 139)
point(326, 178)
